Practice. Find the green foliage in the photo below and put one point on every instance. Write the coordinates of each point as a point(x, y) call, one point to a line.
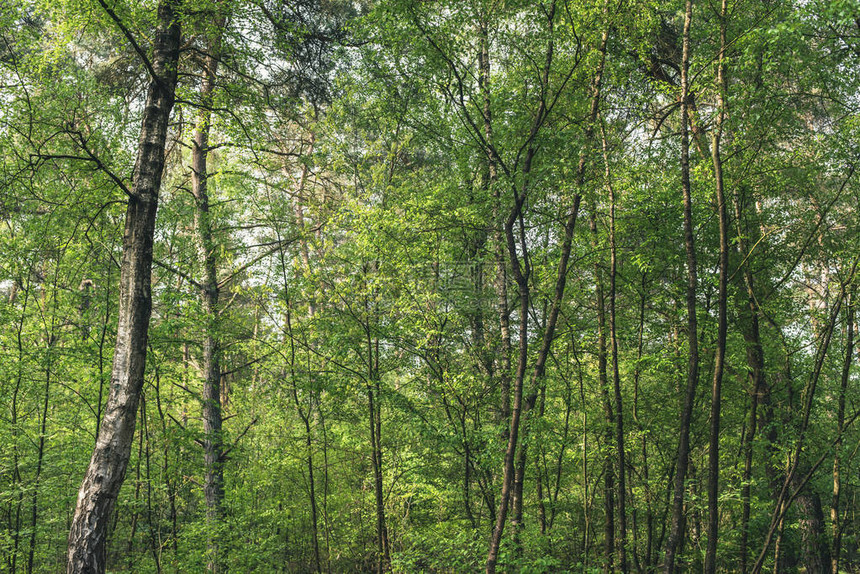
point(356, 229)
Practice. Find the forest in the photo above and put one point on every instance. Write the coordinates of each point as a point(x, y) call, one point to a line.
point(403, 286)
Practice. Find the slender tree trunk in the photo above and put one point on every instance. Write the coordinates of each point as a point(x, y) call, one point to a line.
point(541, 474)
point(541, 493)
point(306, 416)
point(537, 381)
point(778, 557)
point(755, 366)
point(586, 507)
point(677, 522)
point(467, 472)
point(102, 346)
point(521, 270)
point(135, 515)
point(500, 281)
point(508, 476)
point(169, 485)
point(609, 416)
point(620, 455)
point(43, 429)
point(375, 421)
point(213, 445)
point(16, 458)
point(154, 525)
point(104, 476)
point(722, 302)
point(559, 463)
point(309, 454)
point(649, 510)
point(325, 492)
point(519, 479)
point(840, 428)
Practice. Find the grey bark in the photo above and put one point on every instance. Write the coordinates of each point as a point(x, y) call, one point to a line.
point(213, 444)
point(106, 471)
point(500, 281)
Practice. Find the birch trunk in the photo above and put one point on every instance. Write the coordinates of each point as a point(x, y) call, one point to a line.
point(103, 479)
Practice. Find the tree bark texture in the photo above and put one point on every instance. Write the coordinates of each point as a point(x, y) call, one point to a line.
point(213, 444)
point(603, 382)
point(104, 476)
point(815, 549)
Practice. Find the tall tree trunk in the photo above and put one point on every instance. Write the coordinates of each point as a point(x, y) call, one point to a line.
point(586, 506)
point(609, 415)
point(516, 241)
point(676, 527)
point(101, 484)
point(755, 366)
point(637, 372)
point(537, 381)
point(306, 416)
point(840, 428)
point(520, 264)
point(15, 428)
point(620, 455)
point(43, 429)
point(513, 434)
point(154, 526)
point(213, 444)
point(722, 301)
point(490, 180)
point(383, 558)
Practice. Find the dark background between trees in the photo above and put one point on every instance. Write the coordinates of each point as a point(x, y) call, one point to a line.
point(433, 286)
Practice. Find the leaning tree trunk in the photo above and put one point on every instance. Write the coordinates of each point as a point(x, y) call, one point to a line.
point(104, 476)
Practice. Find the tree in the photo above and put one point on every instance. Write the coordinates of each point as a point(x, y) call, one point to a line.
point(431, 291)
point(101, 484)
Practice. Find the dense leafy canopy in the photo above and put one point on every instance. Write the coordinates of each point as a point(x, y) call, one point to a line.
point(430, 234)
